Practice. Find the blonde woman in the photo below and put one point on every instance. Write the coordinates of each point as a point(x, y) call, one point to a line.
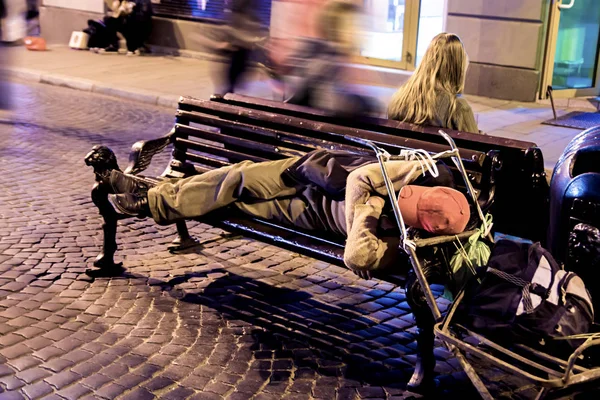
point(432, 95)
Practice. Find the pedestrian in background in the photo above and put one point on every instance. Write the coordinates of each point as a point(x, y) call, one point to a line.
point(2, 14)
point(13, 23)
point(244, 32)
point(236, 41)
point(325, 79)
point(133, 20)
point(33, 9)
point(137, 26)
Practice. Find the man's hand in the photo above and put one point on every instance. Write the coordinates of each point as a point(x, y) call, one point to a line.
point(376, 201)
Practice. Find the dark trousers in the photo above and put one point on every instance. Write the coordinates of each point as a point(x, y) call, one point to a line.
point(110, 38)
point(238, 64)
point(136, 33)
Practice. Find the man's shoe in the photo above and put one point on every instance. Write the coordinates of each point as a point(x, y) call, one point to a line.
point(132, 204)
point(122, 183)
point(109, 50)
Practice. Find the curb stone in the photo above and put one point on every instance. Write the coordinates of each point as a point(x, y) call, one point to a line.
point(137, 95)
point(141, 96)
point(24, 73)
point(66, 81)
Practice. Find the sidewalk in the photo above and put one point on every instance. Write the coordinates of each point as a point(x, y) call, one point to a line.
point(160, 79)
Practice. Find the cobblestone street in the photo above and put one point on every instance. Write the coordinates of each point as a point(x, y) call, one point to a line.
point(234, 318)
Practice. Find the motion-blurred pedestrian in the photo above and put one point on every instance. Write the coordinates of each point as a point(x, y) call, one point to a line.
point(236, 41)
point(13, 24)
point(321, 65)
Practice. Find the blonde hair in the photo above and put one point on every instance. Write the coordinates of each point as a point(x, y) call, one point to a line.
point(443, 68)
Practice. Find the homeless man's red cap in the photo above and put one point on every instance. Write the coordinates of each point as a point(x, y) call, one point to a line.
point(438, 209)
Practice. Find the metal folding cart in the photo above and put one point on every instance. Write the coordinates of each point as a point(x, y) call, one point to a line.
point(546, 372)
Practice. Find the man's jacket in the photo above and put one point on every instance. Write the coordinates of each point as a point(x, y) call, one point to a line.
point(327, 170)
point(353, 179)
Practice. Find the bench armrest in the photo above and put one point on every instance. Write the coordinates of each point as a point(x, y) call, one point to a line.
point(487, 195)
point(143, 151)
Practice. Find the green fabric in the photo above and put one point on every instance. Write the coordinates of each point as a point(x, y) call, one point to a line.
point(468, 257)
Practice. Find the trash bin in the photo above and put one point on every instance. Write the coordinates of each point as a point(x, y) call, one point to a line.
point(574, 229)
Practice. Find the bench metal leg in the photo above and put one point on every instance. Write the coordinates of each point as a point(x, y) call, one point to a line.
point(422, 378)
point(105, 259)
point(183, 240)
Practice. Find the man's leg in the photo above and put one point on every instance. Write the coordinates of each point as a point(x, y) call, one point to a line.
point(198, 195)
point(111, 40)
point(237, 67)
point(292, 211)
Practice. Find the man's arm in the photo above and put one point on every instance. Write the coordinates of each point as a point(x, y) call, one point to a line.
point(368, 180)
point(364, 250)
point(465, 119)
point(365, 189)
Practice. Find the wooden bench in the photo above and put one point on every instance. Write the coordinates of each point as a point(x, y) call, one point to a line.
point(521, 204)
point(210, 134)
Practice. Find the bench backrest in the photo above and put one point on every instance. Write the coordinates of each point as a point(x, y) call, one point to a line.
point(209, 134)
point(521, 197)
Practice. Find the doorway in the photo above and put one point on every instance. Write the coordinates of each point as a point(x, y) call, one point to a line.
point(572, 49)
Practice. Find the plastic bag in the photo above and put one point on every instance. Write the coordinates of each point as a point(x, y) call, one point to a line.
point(465, 261)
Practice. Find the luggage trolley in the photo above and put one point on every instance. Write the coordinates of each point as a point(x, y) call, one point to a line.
point(546, 371)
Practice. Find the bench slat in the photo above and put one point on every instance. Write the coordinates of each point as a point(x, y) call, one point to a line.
point(312, 246)
point(462, 139)
point(267, 134)
point(231, 155)
point(202, 160)
point(241, 145)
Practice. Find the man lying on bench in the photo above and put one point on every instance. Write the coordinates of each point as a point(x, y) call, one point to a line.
point(324, 190)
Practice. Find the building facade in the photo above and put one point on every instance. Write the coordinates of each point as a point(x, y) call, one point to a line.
point(517, 48)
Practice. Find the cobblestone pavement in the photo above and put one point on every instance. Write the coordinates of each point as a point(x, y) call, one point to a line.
point(235, 319)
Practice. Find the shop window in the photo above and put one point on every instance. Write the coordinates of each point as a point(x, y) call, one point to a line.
point(383, 29)
point(205, 10)
point(399, 31)
point(431, 22)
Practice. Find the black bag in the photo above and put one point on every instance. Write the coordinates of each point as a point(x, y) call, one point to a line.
point(584, 257)
point(526, 297)
point(100, 35)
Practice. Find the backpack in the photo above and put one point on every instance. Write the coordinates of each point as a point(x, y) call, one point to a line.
point(526, 297)
point(99, 35)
